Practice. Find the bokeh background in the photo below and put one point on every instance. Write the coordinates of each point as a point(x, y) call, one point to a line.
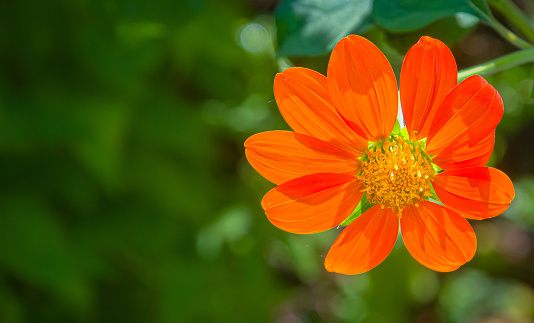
point(125, 195)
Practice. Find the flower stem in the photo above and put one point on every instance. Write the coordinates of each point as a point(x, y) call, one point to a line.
point(501, 29)
point(515, 15)
point(499, 64)
point(507, 34)
point(283, 63)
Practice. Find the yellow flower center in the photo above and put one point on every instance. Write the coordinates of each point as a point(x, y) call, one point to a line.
point(396, 174)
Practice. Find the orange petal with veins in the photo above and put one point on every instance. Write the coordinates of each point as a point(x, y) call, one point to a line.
point(459, 154)
point(281, 156)
point(312, 203)
point(468, 114)
point(428, 74)
point(363, 88)
point(364, 243)
point(476, 192)
point(303, 99)
point(437, 237)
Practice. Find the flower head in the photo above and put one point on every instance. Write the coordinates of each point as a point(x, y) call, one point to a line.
point(427, 178)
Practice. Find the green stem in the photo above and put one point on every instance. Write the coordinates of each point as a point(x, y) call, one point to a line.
point(501, 29)
point(499, 64)
point(283, 63)
point(515, 15)
point(507, 34)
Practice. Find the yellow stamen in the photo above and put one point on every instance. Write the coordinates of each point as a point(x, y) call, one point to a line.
point(396, 175)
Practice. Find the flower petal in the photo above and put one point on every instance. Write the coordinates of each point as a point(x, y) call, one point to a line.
point(428, 74)
point(468, 114)
point(303, 99)
point(475, 192)
point(312, 203)
point(363, 87)
point(365, 243)
point(281, 156)
point(437, 237)
point(459, 154)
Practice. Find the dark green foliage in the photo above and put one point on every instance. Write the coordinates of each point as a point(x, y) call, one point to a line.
point(109, 169)
point(408, 15)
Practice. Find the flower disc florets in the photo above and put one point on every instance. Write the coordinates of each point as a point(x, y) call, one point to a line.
point(396, 174)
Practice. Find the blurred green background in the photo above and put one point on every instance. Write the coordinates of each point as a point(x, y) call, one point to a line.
point(125, 195)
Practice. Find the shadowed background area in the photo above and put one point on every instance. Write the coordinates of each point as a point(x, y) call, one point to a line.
point(125, 195)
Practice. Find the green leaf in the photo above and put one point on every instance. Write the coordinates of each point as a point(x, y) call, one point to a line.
point(360, 209)
point(409, 15)
point(313, 27)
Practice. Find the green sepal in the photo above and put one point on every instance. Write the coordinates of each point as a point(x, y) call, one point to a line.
point(396, 128)
point(398, 131)
point(363, 206)
point(404, 133)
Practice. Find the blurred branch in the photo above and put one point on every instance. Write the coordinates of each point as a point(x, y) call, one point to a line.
point(501, 29)
point(283, 62)
point(499, 64)
point(515, 15)
point(508, 35)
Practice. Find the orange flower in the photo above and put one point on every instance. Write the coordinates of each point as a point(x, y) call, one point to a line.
point(343, 146)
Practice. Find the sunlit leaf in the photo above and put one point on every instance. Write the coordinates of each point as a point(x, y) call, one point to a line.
point(313, 27)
